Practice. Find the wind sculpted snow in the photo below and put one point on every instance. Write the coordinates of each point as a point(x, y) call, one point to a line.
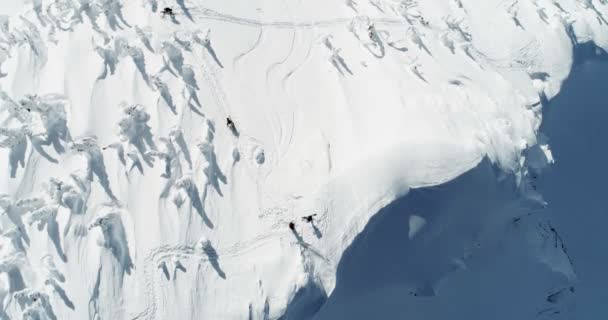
point(410, 124)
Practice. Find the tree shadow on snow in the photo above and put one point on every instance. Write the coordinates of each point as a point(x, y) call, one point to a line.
point(185, 10)
point(175, 56)
point(117, 242)
point(178, 267)
point(97, 167)
point(215, 174)
point(165, 269)
point(16, 157)
point(183, 146)
point(214, 260)
point(52, 228)
point(165, 95)
point(197, 204)
point(37, 144)
point(213, 55)
point(193, 97)
point(62, 294)
point(15, 280)
point(340, 65)
point(143, 142)
point(114, 16)
point(189, 77)
point(139, 60)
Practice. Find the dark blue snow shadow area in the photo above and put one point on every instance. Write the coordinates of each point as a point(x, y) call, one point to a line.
point(433, 255)
point(305, 303)
point(576, 124)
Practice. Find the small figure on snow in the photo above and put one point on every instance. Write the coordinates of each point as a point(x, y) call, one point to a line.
point(168, 12)
point(229, 123)
point(371, 30)
point(309, 218)
point(232, 127)
point(292, 226)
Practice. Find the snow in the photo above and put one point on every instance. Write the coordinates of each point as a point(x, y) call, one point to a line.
point(114, 139)
point(416, 223)
point(573, 185)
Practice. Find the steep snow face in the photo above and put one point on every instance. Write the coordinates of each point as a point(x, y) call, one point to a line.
point(128, 194)
point(480, 254)
point(574, 123)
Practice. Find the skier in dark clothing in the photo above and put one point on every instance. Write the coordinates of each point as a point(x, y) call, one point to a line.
point(309, 218)
point(168, 12)
point(231, 126)
point(292, 226)
point(371, 31)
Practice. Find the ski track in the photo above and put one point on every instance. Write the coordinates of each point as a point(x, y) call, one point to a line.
point(524, 61)
point(298, 66)
point(291, 133)
point(210, 75)
point(209, 14)
point(284, 83)
point(220, 99)
point(255, 45)
point(269, 71)
point(279, 63)
point(165, 252)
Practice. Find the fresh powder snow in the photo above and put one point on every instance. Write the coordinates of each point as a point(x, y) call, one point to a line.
point(290, 159)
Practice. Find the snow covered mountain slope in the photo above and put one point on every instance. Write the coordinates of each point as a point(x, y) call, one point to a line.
point(126, 195)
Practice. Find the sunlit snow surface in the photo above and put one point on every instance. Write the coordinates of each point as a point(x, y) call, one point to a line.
point(410, 128)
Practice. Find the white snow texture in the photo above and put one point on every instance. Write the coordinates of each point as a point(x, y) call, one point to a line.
point(126, 193)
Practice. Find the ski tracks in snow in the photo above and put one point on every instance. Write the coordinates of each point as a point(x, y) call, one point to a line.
point(279, 63)
point(297, 67)
point(288, 105)
point(256, 44)
point(277, 113)
point(284, 84)
point(203, 13)
point(211, 78)
point(526, 58)
point(168, 252)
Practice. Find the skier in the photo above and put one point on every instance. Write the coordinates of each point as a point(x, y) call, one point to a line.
point(371, 31)
point(309, 218)
point(168, 11)
point(231, 126)
point(292, 226)
point(424, 22)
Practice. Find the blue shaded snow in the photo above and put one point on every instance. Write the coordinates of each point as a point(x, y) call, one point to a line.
point(575, 122)
point(452, 269)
